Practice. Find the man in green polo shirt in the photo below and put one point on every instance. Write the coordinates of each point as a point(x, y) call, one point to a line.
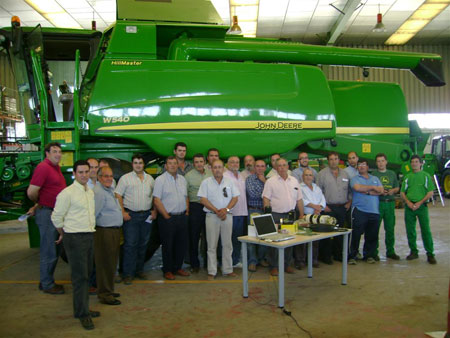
point(389, 181)
point(417, 189)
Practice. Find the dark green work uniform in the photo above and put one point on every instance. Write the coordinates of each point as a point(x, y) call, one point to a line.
point(387, 208)
point(416, 186)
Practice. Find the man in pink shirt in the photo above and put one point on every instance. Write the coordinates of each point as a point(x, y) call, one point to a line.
point(47, 182)
point(282, 194)
point(239, 211)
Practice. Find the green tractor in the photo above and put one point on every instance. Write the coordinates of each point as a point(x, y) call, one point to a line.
point(438, 162)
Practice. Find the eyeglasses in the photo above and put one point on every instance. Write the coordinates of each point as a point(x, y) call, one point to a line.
point(225, 194)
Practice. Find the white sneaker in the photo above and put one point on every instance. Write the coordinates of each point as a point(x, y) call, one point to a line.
point(351, 262)
point(238, 265)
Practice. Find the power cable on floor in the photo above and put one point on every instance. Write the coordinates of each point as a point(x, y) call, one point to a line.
point(257, 302)
point(289, 314)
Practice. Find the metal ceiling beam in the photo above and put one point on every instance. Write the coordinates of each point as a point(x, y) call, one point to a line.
point(340, 23)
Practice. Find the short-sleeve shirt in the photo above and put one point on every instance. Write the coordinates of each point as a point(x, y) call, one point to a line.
point(417, 185)
point(172, 191)
point(240, 208)
point(254, 188)
point(194, 178)
point(336, 189)
point(136, 193)
point(351, 171)
point(389, 181)
point(108, 212)
point(219, 195)
point(282, 193)
point(50, 179)
point(362, 201)
point(314, 196)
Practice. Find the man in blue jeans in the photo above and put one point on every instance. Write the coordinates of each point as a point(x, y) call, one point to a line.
point(134, 193)
point(365, 213)
point(254, 186)
point(47, 182)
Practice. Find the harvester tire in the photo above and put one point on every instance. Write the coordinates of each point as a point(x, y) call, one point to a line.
point(445, 183)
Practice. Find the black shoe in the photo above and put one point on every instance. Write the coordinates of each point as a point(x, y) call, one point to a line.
point(55, 290)
point(115, 294)
point(412, 256)
point(377, 258)
point(393, 256)
point(110, 301)
point(94, 314)
point(87, 323)
point(431, 259)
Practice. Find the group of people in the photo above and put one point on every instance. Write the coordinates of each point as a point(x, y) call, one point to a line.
point(206, 199)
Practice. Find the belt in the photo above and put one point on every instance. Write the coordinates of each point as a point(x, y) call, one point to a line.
point(105, 227)
point(177, 213)
point(45, 207)
point(138, 212)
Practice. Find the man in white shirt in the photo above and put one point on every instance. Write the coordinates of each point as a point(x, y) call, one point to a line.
point(273, 162)
point(134, 193)
point(249, 164)
point(219, 195)
point(282, 194)
point(74, 219)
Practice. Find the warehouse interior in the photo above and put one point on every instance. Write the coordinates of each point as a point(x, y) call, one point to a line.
point(387, 299)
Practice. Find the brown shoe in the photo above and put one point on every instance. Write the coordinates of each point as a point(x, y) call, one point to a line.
point(169, 276)
point(231, 274)
point(211, 277)
point(274, 272)
point(289, 269)
point(55, 290)
point(252, 268)
point(183, 273)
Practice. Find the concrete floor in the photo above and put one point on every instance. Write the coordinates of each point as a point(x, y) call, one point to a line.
point(388, 299)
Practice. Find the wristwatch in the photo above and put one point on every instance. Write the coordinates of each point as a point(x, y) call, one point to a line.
point(228, 210)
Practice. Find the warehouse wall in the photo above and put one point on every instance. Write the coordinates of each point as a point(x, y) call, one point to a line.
point(419, 98)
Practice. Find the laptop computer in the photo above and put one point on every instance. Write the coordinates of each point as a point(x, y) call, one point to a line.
point(267, 230)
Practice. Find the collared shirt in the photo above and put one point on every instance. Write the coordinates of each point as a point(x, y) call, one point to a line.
point(417, 185)
point(298, 173)
point(389, 181)
point(314, 196)
point(91, 184)
point(254, 188)
point(283, 194)
point(136, 193)
point(336, 189)
point(351, 172)
point(172, 192)
point(219, 195)
point(362, 201)
point(50, 179)
point(75, 209)
point(108, 212)
point(240, 209)
point(194, 178)
point(245, 174)
point(187, 168)
point(273, 172)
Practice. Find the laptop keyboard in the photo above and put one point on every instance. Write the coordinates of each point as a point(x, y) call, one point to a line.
point(278, 237)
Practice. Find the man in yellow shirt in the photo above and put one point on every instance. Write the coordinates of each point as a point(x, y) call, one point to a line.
point(74, 219)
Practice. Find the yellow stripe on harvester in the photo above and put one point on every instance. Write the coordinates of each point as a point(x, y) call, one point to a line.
point(372, 130)
point(224, 125)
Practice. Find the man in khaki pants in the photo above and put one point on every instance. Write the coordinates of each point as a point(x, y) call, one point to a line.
point(219, 195)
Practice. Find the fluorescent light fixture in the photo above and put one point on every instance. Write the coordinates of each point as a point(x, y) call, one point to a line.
point(417, 21)
point(54, 13)
point(432, 120)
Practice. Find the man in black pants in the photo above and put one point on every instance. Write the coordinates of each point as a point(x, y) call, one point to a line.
point(74, 219)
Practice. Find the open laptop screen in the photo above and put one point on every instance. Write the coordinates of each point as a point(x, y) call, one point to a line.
point(264, 224)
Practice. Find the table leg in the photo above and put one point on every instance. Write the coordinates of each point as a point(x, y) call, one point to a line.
point(244, 269)
point(344, 259)
point(281, 278)
point(310, 259)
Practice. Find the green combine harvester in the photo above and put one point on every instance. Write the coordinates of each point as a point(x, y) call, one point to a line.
point(167, 71)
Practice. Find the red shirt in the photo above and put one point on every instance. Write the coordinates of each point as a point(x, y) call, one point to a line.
point(50, 179)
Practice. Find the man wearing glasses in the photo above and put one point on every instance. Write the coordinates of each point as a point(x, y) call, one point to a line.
point(219, 195)
point(365, 213)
